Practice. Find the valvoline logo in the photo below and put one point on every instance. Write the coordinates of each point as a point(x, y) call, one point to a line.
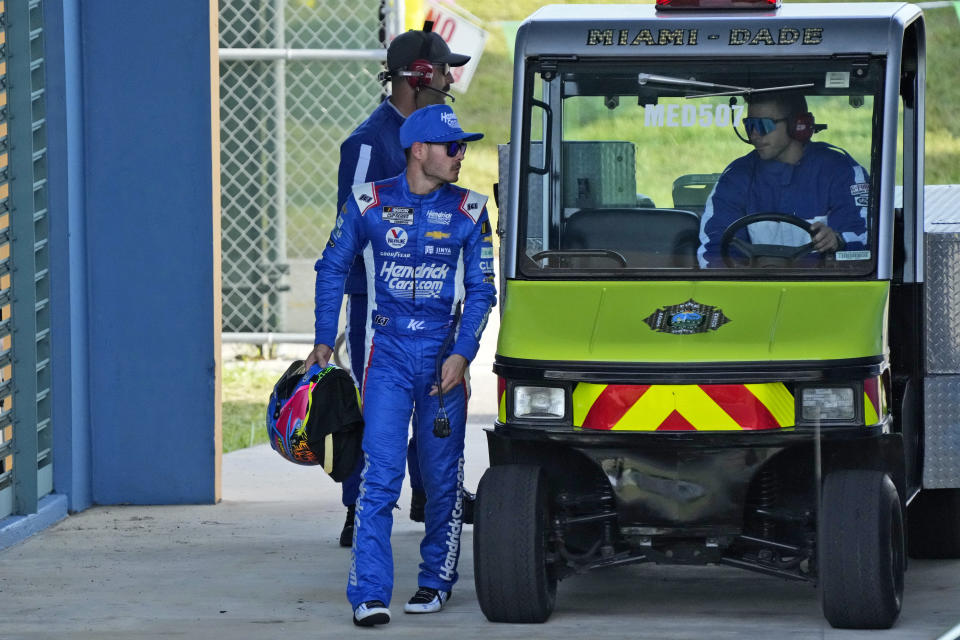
point(396, 237)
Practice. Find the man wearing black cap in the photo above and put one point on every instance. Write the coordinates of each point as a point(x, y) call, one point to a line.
point(418, 69)
point(427, 249)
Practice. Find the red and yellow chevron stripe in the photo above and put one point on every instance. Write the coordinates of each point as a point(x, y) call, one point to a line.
point(686, 407)
point(874, 407)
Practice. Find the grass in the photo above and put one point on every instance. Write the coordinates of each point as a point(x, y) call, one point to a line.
point(246, 388)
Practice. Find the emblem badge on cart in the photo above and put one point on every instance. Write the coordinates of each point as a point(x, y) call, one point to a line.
point(686, 318)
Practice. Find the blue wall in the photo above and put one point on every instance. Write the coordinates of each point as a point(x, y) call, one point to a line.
point(136, 333)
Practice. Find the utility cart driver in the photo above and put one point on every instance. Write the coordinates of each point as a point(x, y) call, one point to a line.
point(813, 195)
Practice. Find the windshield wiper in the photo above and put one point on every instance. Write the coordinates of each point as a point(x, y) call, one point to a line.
point(730, 90)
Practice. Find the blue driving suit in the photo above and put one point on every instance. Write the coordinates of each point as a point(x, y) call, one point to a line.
point(827, 185)
point(371, 152)
point(423, 255)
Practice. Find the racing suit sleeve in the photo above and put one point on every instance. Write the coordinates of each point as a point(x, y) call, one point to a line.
point(848, 202)
point(725, 205)
point(480, 292)
point(346, 241)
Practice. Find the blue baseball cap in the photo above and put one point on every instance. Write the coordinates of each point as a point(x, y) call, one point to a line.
point(436, 123)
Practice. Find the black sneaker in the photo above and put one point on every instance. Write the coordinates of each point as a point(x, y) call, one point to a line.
point(346, 536)
point(418, 502)
point(427, 600)
point(469, 499)
point(370, 613)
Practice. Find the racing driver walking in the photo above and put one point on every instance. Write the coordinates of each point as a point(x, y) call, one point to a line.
point(428, 253)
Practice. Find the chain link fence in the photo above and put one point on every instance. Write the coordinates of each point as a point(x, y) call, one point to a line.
point(296, 76)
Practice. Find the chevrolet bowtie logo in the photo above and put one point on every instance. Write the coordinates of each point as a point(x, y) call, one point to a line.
point(437, 235)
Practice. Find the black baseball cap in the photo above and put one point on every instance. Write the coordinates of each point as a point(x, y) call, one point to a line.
point(421, 45)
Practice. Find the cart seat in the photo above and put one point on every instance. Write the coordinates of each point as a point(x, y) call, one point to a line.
point(691, 191)
point(646, 238)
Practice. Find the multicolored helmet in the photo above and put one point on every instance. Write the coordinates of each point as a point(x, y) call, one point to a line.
point(313, 418)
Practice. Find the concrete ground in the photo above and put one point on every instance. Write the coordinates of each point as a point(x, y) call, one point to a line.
point(265, 563)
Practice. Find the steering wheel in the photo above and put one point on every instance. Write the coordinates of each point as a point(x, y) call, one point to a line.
point(754, 251)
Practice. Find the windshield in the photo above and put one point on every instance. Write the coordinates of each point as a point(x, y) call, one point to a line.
point(647, 168)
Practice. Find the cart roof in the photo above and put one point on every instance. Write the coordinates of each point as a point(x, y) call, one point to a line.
point(641, 30)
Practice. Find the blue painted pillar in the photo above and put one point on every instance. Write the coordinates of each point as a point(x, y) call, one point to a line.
point(72, 473)
point(139, 364)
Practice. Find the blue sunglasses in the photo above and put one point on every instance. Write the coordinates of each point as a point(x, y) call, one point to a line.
point(453, 148)
point(762, 126)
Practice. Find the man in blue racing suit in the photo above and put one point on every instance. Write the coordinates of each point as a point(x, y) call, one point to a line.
point(427, 248)
point(786, 173)
point(418, 69)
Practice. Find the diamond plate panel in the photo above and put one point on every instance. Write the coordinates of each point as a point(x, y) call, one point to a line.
point(941, 463)
point(942, 299)
point(941, 208)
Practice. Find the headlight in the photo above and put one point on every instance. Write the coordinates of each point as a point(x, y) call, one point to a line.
point(538, 402)
point(831, 403)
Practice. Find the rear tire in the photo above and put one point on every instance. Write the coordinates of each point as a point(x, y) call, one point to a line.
point(510, 545)
point(861, 545)
point(933, 524)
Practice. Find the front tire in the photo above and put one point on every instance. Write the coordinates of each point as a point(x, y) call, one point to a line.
point(513, 574)
point(861, 545)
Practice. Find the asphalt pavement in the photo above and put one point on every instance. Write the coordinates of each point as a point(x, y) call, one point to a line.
point(265, 563)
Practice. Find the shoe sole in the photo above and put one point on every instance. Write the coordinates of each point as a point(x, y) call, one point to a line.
point(372, 620)
point(423, 610)
point(434, 607)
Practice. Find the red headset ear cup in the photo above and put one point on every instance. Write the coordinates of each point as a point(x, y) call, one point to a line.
point(801, 127)
point(421, 73)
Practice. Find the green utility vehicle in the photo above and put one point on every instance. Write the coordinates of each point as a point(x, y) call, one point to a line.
point(682, 384)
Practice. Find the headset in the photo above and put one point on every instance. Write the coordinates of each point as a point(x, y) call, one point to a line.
point(419, 73)
point(801, 126)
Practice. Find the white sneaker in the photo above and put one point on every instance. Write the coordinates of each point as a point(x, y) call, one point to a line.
point(427, 600)
point(371, 613)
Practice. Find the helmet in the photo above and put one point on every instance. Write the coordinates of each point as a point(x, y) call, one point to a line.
point(313, 418)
